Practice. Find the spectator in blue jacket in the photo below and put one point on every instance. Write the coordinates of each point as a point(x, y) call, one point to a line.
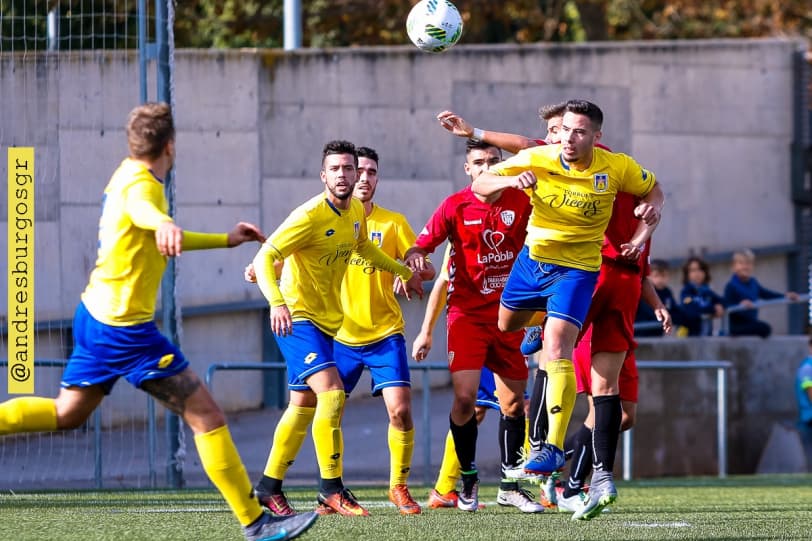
point(699, 303)
point(744, 290)
point(803, 394)
point(659, 274)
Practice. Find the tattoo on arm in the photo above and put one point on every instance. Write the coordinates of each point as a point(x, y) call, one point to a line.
point(173, 391)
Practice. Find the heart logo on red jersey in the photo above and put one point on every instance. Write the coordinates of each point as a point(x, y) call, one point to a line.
point(493, 238)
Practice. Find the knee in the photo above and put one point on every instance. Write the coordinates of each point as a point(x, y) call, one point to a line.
point(400, 417)
point(512, 406)
point(464, 405)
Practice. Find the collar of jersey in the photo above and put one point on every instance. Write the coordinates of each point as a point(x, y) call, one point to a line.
point(332, 206)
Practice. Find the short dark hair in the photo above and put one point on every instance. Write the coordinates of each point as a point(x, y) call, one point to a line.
point(546, 112)
point(702, 265)
point(339, 146)
point(366, 152)
point(476, 144)
point(149, 129)
point(586, 108)
point(659, 265)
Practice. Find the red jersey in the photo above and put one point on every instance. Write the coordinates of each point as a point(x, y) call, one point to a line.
point(620, 230)
point(485, 240)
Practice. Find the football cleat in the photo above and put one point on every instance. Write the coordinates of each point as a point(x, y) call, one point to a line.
point(571, 504)
point(277, 504)
point(343, 503)
point(531, 342)
point(519, 474)
point(602, 494)
point(549, 495)
point(399, 495)
point(438, 501)
point(546, 461)
point(468, 499)
point(280, 528)
point(520, 499)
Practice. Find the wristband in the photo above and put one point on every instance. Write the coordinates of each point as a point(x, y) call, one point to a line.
point(478, 134)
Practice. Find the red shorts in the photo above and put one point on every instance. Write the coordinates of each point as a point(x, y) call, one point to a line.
point(628, 381)
point(613, 309)
point(473, 344)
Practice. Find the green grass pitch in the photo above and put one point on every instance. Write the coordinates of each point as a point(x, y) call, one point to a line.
point(753, 507)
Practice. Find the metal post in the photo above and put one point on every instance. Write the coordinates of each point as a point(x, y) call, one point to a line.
point(426, 427)
point(174, 474)
point(292, 24)
point(627, 454)
point(152, 443)
point(97, 447)
point(53, 29)
point(142, 49)
point(721, 420)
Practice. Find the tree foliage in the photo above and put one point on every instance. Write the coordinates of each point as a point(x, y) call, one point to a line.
point(329, 23)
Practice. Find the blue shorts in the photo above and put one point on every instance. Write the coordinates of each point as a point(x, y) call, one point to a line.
point(486, 394)
point(385, 358)
point(563, 292)
point(306, 350)
point(103, 353)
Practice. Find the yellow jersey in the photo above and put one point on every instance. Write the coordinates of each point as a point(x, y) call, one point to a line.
point(571, 208)
point(371, 311)
point(123, 286)
point(316, 242)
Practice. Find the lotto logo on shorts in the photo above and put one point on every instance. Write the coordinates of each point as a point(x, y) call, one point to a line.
point(166, 360)
point(450, 357)
point(310, 358)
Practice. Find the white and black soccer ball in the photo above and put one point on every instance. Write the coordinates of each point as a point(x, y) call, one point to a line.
point(434, 25)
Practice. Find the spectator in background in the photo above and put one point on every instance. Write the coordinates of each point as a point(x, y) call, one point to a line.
point(699, 303)
point(744, 290)
point(659, 274)
point(803, 393)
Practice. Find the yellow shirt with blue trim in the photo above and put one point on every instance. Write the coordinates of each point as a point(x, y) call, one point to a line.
point(368, 322)
point(123, 286)
point(571, 208)
point(316, 242)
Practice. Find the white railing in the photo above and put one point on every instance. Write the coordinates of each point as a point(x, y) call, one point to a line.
point(724, 329)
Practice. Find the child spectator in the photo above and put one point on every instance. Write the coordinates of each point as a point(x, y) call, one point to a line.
point(803, 394)
point(744, 290)
point(699, 303)
point(659, 274)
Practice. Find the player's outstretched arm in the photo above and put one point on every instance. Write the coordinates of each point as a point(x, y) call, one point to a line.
point(649, 294)
point(488, 184)
point(457, 125)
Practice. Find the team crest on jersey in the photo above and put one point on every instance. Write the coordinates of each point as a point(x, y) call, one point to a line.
point(356, 229)
point(507, 217)
point(377, 238)
point(601, 182)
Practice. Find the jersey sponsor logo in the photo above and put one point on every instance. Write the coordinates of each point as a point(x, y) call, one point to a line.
point(356, 229)
point(601, 182)
point(478, 221)
point(377, 238)
point(329, 232)
point(493, 283)
point(572, 199)
point(508, 216)
point(310, 357)
point(493, 238)
point(341, 254)
point(359, 261)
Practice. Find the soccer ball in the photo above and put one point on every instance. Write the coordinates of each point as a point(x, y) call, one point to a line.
point(434, 25)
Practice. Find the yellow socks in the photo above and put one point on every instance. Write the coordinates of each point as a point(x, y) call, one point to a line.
point(27, 414)
point(225, 469)
point(449, 469)
point(327, 436)
point(287, 440)
point(401, 447)
point(560, 399)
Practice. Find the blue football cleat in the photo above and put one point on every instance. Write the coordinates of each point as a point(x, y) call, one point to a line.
point(546, 461)
point(532, 340)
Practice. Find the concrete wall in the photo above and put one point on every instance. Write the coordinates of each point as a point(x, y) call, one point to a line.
point(711, 118)
point(676, 428)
